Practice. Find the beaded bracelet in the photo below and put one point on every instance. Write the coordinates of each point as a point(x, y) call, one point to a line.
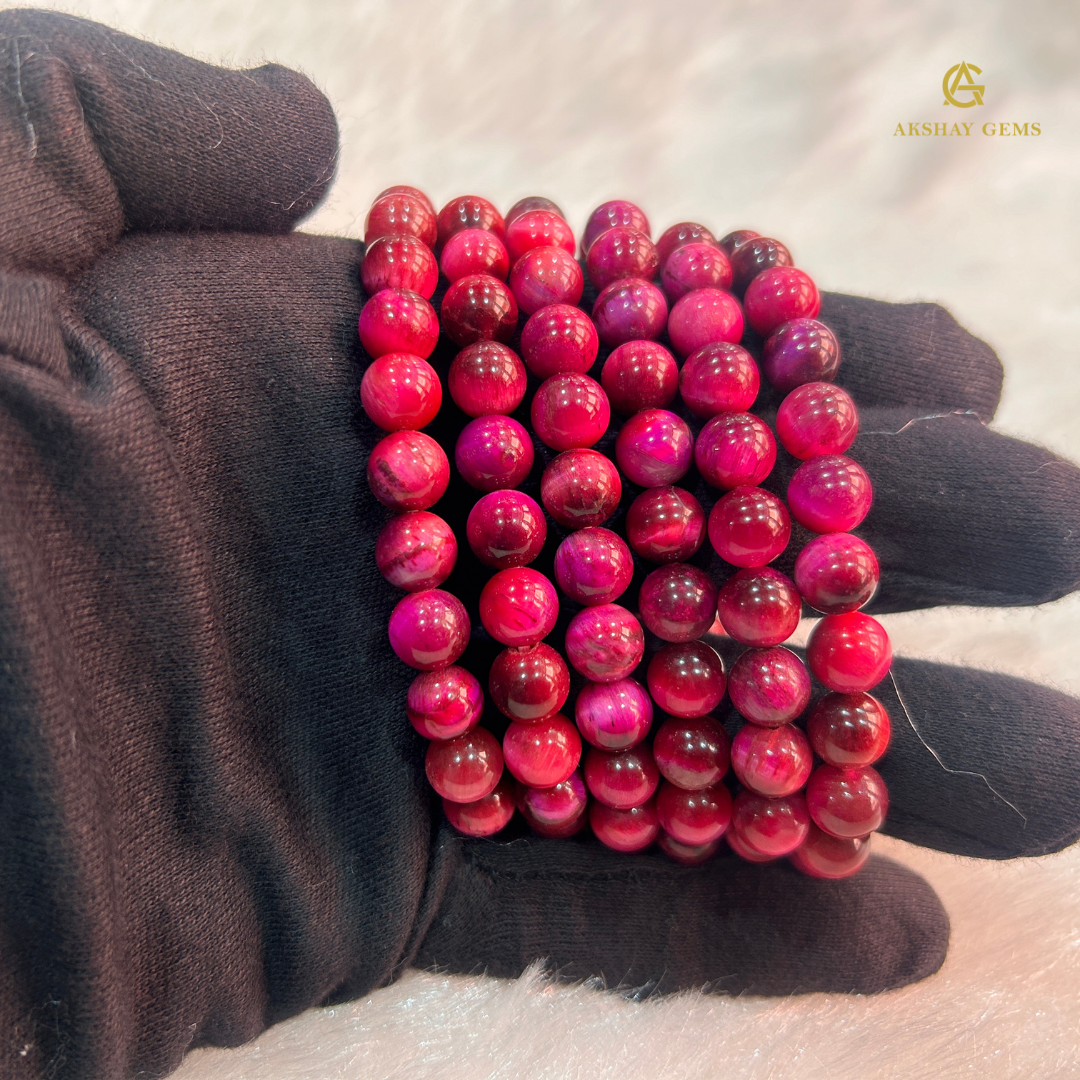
point(687, 285)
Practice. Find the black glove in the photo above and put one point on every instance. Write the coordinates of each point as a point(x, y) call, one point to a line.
point(214, 813)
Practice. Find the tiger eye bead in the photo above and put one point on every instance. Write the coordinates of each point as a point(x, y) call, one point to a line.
point(755, 255)
point(749, 527)
point(408, 470)
point(580, 488)
point(621, 778)
point(416, 551)
point(640, 375)
point(769, 686)
point(546, 275)
point(559, 338)
point(474, 251)
point(625, 830)
point(816, 418)
point(487, 377)
point(778, 295)
point(466, 768)
point(593, 566)
point(542, 753)
point(719, 377)
point(823, 856)
point(703, 316)
point(629, 310)
point(532, 202)
point(693, 817)
point(570, 411)
point(444, 704)
point(506, 529)
point(619, 253)
point(400, 213)
point(735, 450)
point(798, 352)
point(609, 215)
point(847, 803)
point(604, 643)
point(478, 307)
point(529, 683)
point(429, 630)
point(665, 524)
point(400, 392)
point(538, 228)
point(693, 752)
point(771, 761)
point(485, 816)
point(686, 678)
point(468, 212)
point(772, 827)
point(398, 321)
point(829, 494)
point(759, 606)
point(519, 606)
point(399, 261)
point(493, 452)
point(848, 730)
point(836, 573)
point(654, 448)
point(677, 602)
point(615, 715)
point(695, 266)
point(849, 653)
point(677, 236)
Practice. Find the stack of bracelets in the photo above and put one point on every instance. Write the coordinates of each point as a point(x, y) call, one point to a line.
point(640, 782)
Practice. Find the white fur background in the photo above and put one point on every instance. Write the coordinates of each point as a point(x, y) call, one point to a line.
point(779, 116)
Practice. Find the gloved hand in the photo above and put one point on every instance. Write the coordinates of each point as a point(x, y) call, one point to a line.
point(213, 813)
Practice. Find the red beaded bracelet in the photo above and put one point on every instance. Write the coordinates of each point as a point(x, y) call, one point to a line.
point(629, 791)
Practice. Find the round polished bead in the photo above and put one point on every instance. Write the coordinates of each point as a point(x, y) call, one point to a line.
point(559, 338)
point(695, 266)
point(604, 643)
point(429, 630)
point(613, 716)
point(798, 352)
point(538, 228)
point(686, 678)
point(720, 377)
point(769, 686)
point(735, 240)
point(771, 761)
point(830, 493)
point(778, 295)
point(530, 683)
point(519, 606)
point(398, 321)
point(677, 236)
point(640, 375)
point(416, 551)
point(407, 189)
point(816, 418)
point(400, 392)
point(823, 856)
point(678, 602)
point(469, 212)
point(401, 213)
point(849, 653)
point(564, 830)
point(772, 827)
point(479, 307)
point(532, 202)
point(847, 802)
point(613, 214)
point(654, 448)
point(466, 768)
point(836, 573)
point(444, 704)
point(759, 606)
point(755, 255)
point(546, 275)
point(749, 527)
point(630, 310)
point(622, 778)
point(399, 261)
point(741, 848)
point(849, 730)
point(506, 529)
point(493, 452)
point(484, 817)
point(487, 377)
point(570, 411)
point(692, 752)
point(735, 450)
point(665, 524)
point(686, 854)
point(625, 830)
point(560, 804)
point(580, 488)
point(704, 316)
point(593, 566)
point(474, 251)
point(542, 753)
point(408, 470)
point(619, 253)
point(694, 817)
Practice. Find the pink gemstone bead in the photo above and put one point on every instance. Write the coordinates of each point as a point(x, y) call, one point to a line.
point(654, 448)
point(466, 768)
point(817, 418)
point(613, 716)
point(506, 529)
point(849, 730)
point(694, 817)
point(580, 488)
point(398, 321)
point(837, 572)
point(416, 551)
point(735, 450)
point(740, 847)
point(544, 276)
point(609, 215)
point(399, 262)
point(538, 228)
point(677, 236)
point(530, 683)
point(570, 411)
point(557, 339)
point(798, 352)
point(620, 253)
point(735, 240)
point(487, 377)
point(444, 704)
point(593, 566)
point(401, 213)
point(560, 804)
point(677, 602)
point(686, 854)
point(695, 266)
point(825, 856)
point(831, 493)
point(702, 317)
point(519, 606)
point(686, 679)
point(493, 452)
point(629, 310)
point(542, 753)
point(486, 816)
point(407, 189)
point(479, 307)
point(532, 202)
point(692, 752)
point(849, 653)
point(665, 524)
point(562, 831)
point(625, 830)
point(604, 643)
point(771, 761)
point(749, 527)
point(400, 392)
point(408, 471)
point(769, 686)
point(772, 827)
point(759, 607)
point(469, 212)
point(640, 375)
point(429, 630)
point(775, 296)
point(720, 377)
point(623, 778)
point(474, 251)
point(847, 802)
point(755, 255)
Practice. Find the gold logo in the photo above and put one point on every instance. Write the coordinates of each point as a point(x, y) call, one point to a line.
point(957, 72)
